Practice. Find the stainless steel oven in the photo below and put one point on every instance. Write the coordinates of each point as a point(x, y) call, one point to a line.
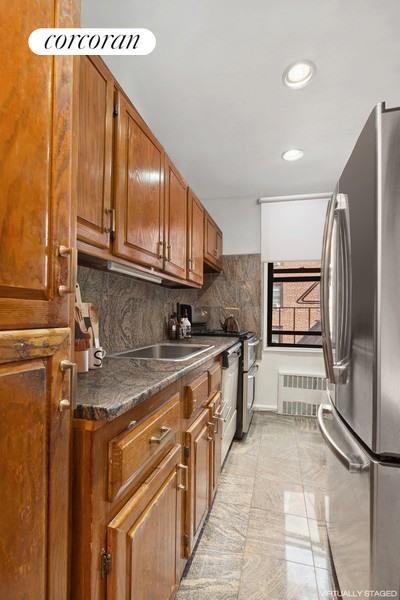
point(249, 373)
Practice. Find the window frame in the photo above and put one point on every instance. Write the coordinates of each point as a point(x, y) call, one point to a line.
point(271, 279)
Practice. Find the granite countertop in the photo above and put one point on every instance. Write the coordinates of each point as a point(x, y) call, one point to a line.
point(123, 383)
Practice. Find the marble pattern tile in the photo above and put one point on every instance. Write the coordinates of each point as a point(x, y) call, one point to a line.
point(211, 575)
point(284, 555)
point(266, 577)
point(279, 535)
point(226, 528)
point(279, 496)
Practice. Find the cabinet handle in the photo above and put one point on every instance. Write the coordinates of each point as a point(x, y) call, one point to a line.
point(164, 432)
point(190, 263)
point(64, 404)
point(211, 431)
point(185, 469)
point(215, 252)
point(169, 252)
point(111, 228)
point(161, 249)
point(72, 253)
point(67, 365)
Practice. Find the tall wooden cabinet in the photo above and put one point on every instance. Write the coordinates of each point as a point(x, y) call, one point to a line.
point(34, 465)
point(94, 165)
point(139, 190)
point(35, 170)
point(37, 283)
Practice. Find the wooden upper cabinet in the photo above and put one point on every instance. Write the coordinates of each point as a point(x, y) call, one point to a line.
point(96, 101)
point(35, 169)
point(195, 238)
point(139, 190)
point(34, 464)
point(175, 221)
point(144, 539)
point(212, 244)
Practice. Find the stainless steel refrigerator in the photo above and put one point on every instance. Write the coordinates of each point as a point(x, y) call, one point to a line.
point(360, 306)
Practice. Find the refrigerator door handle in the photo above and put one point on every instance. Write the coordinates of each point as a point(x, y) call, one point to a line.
point(325, 266)
point(350, 462)
point(340, 368)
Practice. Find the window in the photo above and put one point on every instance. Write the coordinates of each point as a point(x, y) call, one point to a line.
point(294, 315)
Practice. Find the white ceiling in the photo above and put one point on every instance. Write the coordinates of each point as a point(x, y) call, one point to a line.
point(212, 90)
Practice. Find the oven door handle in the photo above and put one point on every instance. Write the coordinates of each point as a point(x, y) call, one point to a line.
point(252, 344)
point(255, 369)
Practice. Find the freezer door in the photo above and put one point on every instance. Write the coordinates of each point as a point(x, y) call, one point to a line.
point(363, 511)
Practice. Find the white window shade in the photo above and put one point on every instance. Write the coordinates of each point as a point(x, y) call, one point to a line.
point(292, 229)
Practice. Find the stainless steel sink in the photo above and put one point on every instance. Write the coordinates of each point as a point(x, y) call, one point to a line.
point(165, 351)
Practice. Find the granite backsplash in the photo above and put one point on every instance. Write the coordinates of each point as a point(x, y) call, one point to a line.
point(134, 313)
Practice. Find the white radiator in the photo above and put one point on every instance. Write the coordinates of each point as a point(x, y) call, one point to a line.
point(300, 394)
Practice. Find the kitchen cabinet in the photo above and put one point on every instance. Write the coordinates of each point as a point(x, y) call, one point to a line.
point(94, 165)
point(215, 418)
point(175, 221)
point(212, 244)
point(35, 398)
point(142, 487)
point(37, 257)
point(144, 538)
point(139, 192)
point(198, 441)
point(195, 238)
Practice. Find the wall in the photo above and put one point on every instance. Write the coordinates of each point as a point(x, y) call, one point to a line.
point(239, 219)
point(134, 313)
point(290, 230)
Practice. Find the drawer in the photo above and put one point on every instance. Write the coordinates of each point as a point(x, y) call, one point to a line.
point(132, 452)
point(214, 379)
point(196, 394)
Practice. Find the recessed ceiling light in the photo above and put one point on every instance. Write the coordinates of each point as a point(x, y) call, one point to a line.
point(299, 74)
point(293, 154)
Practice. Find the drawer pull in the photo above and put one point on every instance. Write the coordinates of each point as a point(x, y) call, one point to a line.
point(164, 432)
point(181, 486)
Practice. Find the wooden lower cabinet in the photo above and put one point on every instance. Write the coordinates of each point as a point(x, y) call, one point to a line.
point(144, 539)
point(198, 441)
point(215, 418)
point(34, 464)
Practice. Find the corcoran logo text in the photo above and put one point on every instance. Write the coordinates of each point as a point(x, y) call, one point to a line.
point(92, 41)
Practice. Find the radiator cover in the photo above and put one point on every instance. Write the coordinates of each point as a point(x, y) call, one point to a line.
point(300, 394)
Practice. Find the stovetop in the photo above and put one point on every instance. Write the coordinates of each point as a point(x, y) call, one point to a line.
point(221, 333)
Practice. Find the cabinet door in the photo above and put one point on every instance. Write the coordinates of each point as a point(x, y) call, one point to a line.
point(34, 464)
point(35, 169)
point(212, 244)
point(210, 238)
point(215, 418)
point(144, 539)
point(139, 190)
point(219, 248)
point(198, 440)
point(96, 99)
point(195, 239)
point(175, 221)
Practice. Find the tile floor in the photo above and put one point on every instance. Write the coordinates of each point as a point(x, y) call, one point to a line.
point(265, 537)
